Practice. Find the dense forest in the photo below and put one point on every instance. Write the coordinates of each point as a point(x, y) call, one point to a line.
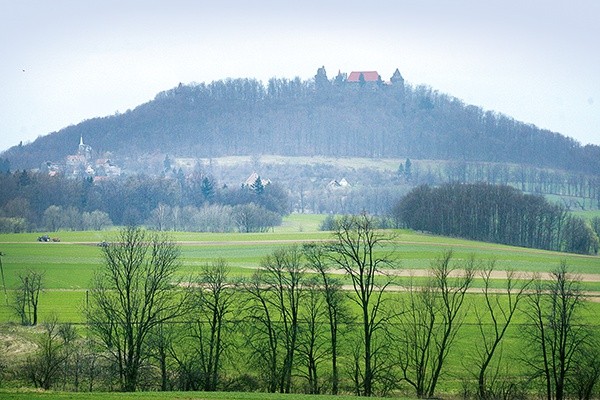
point(498, 214)
point(321, 116)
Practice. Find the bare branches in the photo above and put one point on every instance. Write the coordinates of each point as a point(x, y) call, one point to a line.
point(213, 300)
point(132, 294)
point(556, 335)
point(431, 318)
point(27, 296)
point(275, 292)
point(317, 259)
point(493, 322)
point(355, 250)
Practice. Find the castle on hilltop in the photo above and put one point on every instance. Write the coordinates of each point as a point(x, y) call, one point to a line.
point(368, 79)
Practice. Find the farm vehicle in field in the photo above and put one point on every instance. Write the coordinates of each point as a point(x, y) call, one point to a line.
point(46, 238)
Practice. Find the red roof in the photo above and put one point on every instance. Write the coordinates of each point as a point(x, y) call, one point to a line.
point(370, 76)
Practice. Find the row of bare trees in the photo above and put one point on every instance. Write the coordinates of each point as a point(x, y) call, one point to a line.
point(296, 325)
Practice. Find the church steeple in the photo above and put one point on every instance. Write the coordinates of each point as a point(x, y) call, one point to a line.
point(84, 150)
point(81, 149)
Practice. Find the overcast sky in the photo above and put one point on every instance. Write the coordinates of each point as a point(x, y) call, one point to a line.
point(64, 61)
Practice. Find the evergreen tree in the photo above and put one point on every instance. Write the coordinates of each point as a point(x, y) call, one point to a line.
point(401, 170)
point(24, 178)
point(207, 187)
point(257, 187)
point(408, 169)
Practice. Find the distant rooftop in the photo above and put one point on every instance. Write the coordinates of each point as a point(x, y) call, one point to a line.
point(370, 76)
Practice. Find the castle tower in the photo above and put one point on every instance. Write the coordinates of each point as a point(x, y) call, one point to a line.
point(397, 78)
point(321, 81)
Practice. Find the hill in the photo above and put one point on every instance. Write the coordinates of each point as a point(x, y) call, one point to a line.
point(342, 117)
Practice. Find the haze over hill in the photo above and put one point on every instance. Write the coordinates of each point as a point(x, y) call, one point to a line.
point(65, 62)
point(355, 115)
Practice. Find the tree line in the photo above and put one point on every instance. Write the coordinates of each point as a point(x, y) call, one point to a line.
point(296, 326)
point(497, 214)
point(581, 191)
point(35, 201)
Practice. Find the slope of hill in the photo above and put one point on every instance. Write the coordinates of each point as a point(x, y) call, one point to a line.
point(335, 118)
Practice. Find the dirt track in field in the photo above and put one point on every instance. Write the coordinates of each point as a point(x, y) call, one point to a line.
point(406, 273)
point(592, 296)
point(401, 272)
point(420, 273)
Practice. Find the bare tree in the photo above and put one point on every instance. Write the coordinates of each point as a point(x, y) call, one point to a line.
point(132, 294)
point(356, 250)
point(44, 367)
point(275, 292)
point(213, 299)
point(262, 336)
point(317, 260)
point(88, 359)
point(557, 334)
point(159, 216)
point(313, 342)
point(187, 370)
point(27, 296)
point(584, 378)
point(284, 273)
point(71, 366)
point(430, 321)
point(493, 322)
point(160, 343)
point(255, 218)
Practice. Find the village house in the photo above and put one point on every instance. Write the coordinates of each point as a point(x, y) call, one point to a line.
point(252, 179)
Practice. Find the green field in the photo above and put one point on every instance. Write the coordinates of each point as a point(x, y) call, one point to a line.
point(588, 215)
point(69, 265)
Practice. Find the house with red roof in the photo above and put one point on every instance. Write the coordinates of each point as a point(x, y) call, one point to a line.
point(368, 76)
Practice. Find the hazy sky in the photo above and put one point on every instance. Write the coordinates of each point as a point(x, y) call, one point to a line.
point(63, 61)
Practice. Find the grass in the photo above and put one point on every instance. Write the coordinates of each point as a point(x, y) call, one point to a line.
point(69, 266)
point(35, 395)
point(587, 215)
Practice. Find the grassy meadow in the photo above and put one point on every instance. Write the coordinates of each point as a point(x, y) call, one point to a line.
point(589, 215)
point(69, 265)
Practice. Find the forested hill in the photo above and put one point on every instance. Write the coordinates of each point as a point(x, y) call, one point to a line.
point(315, 117)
